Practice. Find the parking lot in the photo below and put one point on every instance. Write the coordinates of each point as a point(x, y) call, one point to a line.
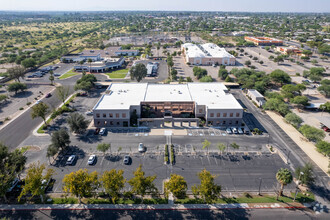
point(238, 172)
point(162, 72)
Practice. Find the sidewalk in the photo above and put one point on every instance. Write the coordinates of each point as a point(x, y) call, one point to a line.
point(161, 131)
point(156, 207)
point(299, 139)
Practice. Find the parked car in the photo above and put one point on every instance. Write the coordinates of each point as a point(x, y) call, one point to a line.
point(127, 160)
point(326, 129)
point(57, 74)
point(240, 131)
point(141, 148)
point(89, 113)
point(13, 184)
point(228, 130)
point(234, 130)
point(83, 94)
point(103, 131)
point(48, 95)
point(30, 76)
point(97, 130)
point(39, 101)
point(71, 160)
point(91, 159)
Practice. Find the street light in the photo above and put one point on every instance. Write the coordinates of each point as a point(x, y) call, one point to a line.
point(259, 186)
point(295, 195)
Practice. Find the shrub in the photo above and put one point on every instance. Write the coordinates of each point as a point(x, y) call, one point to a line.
point(312, 133)
point(21, 108)
point(28, 103)
point(166, 154)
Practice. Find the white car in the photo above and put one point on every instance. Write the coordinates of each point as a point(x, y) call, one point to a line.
point(89, 113)
point(71, 160)
point(141, 148)
point(228, 130)
point(38, 102)
point(91, 159)
point(240, 131)
point(234, 130)
point(103, 131)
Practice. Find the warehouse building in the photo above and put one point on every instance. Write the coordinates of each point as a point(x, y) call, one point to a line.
point(206, 54)
point(256, 97)
point(157, 104)
point(264, 41)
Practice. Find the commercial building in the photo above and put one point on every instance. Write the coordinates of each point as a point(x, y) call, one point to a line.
point(206, 54)
point(289, 51)
point(100, 66)
point(97, 55)
point(264, 41)
point(157, 104)
point(152, 69)
point(256, 97)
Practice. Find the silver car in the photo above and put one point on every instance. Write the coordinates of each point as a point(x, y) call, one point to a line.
point(91, 160)
point(141, 148)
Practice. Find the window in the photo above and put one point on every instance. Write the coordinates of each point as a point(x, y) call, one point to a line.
point(111, 122)
point(224, 115)
point(117, 115)
point(97, 115)
point(224, 122)
point(237, 114)
point(104, 115)
point(237, 122)
point(98, 123)
point(118, 123)
point(111, 115)
point(212, 115)
point(231, 114)
point(218, 115)
point(200, 110)
point(124, 115)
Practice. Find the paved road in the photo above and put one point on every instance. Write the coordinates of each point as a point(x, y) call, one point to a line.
point(233, 214)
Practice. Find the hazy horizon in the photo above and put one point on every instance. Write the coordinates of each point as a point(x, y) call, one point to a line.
point(285, 6)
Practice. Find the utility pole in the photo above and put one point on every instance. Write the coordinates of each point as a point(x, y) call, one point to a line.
point(287, 159)
point(260, 179)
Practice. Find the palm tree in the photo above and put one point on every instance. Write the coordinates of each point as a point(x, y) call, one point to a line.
point(90, 64)
point(284, 177)
point(221, 147)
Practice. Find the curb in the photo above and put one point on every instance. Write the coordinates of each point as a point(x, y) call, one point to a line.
point(145, 207)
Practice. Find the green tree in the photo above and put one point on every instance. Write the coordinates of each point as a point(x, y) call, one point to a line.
point(35, 181)
point(293, 119)
point(138, 72)
point(301, 101)
point(174, 74)
point(84, 86)
point(113, 182)
point(324, 107)
point(16, 86)
point(279, 76)
point(141, 184)
point(189, 79)
point(305, 174)
point(62, 92)
point(234, 146)
point(16, 72)
point(60, 139)
point(40, 110)
point(11, 165)
point(81, 183)
point(323, 147)
point(223, 73)
point(199, 72)
point(51, 151)
point(3, 98)
point(51, 77)
point(206, 79)
point(312, 133)
point(28, 62)
point(206, 144)
point(325, 87)
point(247, 63)
point(177, 186)
point(278, 59)
point(284, 177)
point(222, 147)
point(103, 147)
point(207, 190)
point(77, 123)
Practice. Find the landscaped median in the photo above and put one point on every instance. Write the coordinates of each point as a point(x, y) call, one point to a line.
point(68, 74)
point(63, 108)
point(118, 74)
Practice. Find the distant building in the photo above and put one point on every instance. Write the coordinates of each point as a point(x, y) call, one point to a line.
point(264, 41)
point(100, 66)
point(206, 54)
point(241, 33)
point(160, 103)
point(289, 50)
point(256, 97)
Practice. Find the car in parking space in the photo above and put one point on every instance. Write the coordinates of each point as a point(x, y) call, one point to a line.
point(48, 95)
point(228, 130)
point(89, 113)
point(71, 160)
point(141, 148)
point(127, 160)
point(57, 74)
point(97, 130)
point(234, 130)
point(240, 131)
point(38, 102)
point(91, 160)
point(103, 131)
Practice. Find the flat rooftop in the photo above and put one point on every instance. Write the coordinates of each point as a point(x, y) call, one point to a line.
point(206, 50)
point(255, 93)
point(124, 95)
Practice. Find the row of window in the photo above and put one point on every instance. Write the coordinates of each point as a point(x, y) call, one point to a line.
point(111, 115)
point(224, 115)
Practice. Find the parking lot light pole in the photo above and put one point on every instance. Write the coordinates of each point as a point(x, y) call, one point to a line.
point(287, 159)
point(297, 188)
point(260, 179)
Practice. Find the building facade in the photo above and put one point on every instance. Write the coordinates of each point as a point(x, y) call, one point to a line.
point(206, 54)
point(256, 97)
point(160, 103)
point(264, 41)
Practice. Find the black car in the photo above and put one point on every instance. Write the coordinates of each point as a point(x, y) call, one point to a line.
point(127, 160)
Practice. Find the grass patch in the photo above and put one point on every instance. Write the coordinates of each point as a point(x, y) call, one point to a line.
point(68, 74)
point(128, 201)
point(118, 74)
point(68, 200)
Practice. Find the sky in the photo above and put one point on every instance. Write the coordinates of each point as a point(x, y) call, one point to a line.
point(168, 5)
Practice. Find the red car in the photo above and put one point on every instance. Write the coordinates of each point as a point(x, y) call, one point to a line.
point(97, 131)
point(326, 129)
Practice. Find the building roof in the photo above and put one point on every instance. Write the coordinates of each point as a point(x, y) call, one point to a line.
point(325, 121)
point(255, 93)
point(123, 95)
point(205, 50)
